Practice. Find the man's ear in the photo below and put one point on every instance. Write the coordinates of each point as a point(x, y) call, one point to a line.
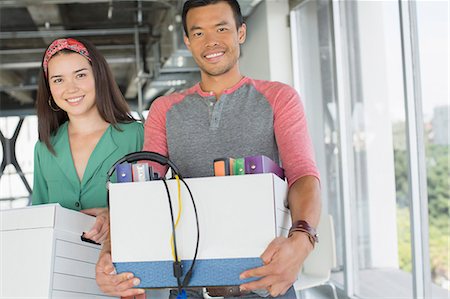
point(242, 33)
point(186, 41)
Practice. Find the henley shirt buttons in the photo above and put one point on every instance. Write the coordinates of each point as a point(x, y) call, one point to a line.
point(77, 204)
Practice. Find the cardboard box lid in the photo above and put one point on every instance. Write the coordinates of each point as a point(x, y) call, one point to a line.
point(45, 216)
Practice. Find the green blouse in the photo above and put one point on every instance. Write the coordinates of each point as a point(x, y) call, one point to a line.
point(55, 177)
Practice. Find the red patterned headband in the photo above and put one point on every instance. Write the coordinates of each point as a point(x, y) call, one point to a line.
point(61, 44)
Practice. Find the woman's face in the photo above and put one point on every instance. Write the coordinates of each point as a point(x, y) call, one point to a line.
point(72, 84)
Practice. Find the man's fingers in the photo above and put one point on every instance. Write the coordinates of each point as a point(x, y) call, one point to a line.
point(130, 293)
point(115, 284)
point(278, 289)
point(124, 277)
point(262, 283)
point(125, 284)
point(119, 285)
point(256, 272)
point(141, 296)
point(270, 251)
point(105, 265)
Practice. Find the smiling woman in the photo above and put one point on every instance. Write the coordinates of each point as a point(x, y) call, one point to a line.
point(84, 126)
point(72, 85)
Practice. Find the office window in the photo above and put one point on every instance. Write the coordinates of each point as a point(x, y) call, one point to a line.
point(373, 100)
point(381, 205)
point(433, 32)
point(349, 68)
point(314, 80)
point(371, 48)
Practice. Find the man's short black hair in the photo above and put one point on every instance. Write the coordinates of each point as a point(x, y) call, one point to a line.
point(199, 3)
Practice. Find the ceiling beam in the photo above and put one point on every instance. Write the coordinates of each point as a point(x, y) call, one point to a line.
point(21, 3)
point(58, 33)
point(41, 50)
point(37, 64)
point(11, 79)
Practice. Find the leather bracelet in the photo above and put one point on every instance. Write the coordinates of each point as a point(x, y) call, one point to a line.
point(303, 226)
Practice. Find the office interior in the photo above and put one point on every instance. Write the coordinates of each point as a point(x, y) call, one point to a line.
point(372, 76)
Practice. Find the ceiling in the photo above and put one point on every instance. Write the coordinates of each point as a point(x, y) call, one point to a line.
point(141, 40)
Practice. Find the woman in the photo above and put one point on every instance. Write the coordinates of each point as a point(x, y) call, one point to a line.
point(84, 126)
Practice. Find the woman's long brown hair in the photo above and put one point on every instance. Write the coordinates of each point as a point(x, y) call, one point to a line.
point(109, 100)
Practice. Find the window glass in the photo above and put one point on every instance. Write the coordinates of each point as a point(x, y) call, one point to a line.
point(381, 205)
point(314, 79)
point(380, 211)
point(433, 32)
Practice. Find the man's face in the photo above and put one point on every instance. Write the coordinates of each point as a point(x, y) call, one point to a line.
point(213, 38)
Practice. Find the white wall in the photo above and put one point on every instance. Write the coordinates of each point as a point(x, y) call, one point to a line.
point(266, 54)
point(255, 50)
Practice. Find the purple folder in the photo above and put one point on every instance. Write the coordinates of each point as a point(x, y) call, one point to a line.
point(262, 164)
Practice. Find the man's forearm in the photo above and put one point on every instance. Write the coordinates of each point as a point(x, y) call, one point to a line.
point(304, 200)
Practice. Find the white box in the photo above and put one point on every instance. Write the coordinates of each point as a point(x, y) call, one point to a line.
point(42, 255)
point(238, 215)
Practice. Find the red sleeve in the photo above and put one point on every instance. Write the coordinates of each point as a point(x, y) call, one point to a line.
point(155, 139)
point(291, 131)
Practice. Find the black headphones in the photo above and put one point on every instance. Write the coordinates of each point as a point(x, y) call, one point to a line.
point(163, 160)
point(143, 155)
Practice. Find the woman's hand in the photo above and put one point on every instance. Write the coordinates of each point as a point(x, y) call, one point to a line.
point(100, 230)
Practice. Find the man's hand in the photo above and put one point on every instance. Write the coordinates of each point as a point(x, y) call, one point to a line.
point(111, 283)
point(100, 230)
point(282, 260)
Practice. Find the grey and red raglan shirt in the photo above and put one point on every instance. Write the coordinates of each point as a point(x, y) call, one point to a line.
point(253, 117)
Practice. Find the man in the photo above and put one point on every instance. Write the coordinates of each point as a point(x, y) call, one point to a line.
point(229, 115)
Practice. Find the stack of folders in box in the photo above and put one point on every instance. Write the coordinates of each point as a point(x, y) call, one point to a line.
point(247, 165)
point(139, 172)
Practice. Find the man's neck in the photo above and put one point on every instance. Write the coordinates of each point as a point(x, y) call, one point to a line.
point(217, 84)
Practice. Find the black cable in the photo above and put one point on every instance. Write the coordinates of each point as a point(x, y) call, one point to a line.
point(189, 272)
point(177, 266)
point(156, 157)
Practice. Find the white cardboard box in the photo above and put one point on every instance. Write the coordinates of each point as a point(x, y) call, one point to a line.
point(42, 255)
point(238, 215)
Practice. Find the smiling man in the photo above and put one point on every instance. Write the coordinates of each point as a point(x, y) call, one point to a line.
point(229, 115)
